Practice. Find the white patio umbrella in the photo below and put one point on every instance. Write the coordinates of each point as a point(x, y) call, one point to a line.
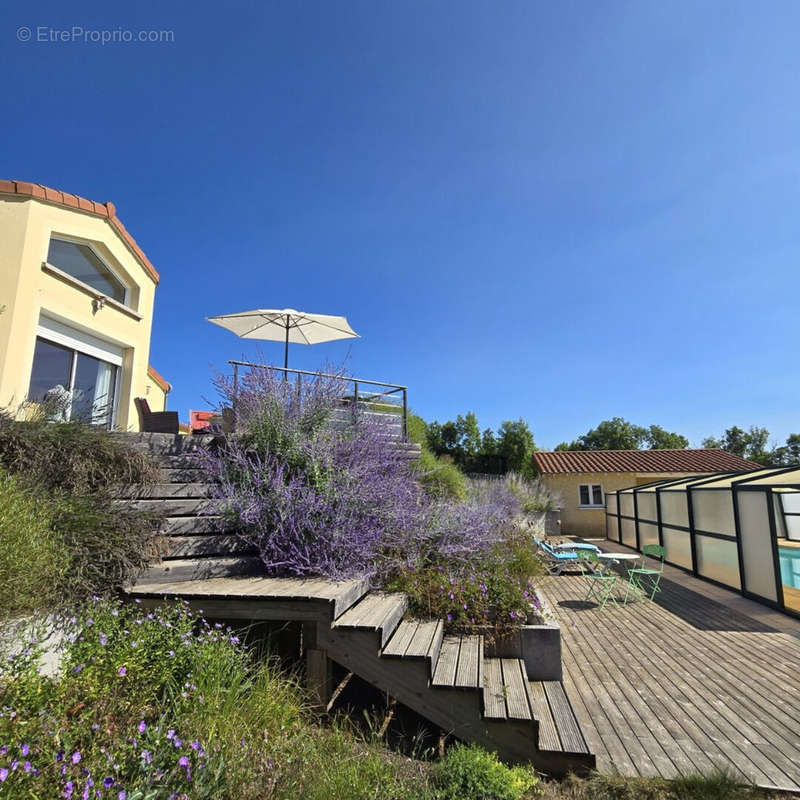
point(286, 325)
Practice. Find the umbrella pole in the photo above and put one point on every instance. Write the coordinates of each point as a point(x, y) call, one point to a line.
point(286, 351)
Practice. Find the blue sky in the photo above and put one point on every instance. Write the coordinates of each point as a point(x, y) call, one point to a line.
point(557, 211)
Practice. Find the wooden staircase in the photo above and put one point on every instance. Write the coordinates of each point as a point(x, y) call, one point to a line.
point(447, 679)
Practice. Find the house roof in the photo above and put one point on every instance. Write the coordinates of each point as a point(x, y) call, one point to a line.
point(105, 210)
point(656, 461)
point(165, 385)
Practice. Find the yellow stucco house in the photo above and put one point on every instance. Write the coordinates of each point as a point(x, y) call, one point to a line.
point(581, 478)
point(76, 308)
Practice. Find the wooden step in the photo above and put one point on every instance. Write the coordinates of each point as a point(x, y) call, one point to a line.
point(377, 611)
point(197, 569)
point(416, 639)
point(162, 443)
point(183, 475)
point(180, 461)
point(505, 691)
point(188, 526)
point(559, 730)
point(204, 546)
point(164, 491)
point(171, 508)
point(459, 665)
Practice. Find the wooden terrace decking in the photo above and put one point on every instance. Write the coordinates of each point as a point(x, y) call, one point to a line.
point(683, 685)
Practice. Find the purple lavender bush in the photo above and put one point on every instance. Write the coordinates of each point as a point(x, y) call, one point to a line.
point(317, 487)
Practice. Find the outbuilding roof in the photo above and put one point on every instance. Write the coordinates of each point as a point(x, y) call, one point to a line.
point(106, 210)
point(656, 461)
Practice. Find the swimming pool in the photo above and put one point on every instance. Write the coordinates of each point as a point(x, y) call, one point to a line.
point(789, 558)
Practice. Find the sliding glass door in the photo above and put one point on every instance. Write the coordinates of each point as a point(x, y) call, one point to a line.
point(77, 385)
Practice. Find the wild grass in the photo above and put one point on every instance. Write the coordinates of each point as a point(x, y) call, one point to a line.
point(157, 704)
point(65, 536)
point(719, 786)
point(70, 457)
point(33, 562)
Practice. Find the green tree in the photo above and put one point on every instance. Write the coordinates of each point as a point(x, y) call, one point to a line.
point(750, 444)
point(788, 454)
point(515, 444)
point(488, 443)
point(565, 446)
point(659, 439)
point(469, 437)
point(612, 434)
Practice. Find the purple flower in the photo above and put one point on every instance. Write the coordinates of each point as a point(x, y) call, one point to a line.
point(147, 756)
point(449, 617)
point(142, 727)
point(122, 672)
point(89, 622)
point(76, 756)
point(25, 749)
point(183, 761)
point(177, 742)
point(122, 795)
point(103, 639)
point(3, 774)
point(60, 755)
point(196, 746)
point(27, 766)
point(171, 733)
point(108, 782)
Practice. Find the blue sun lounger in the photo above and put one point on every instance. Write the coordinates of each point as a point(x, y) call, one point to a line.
point(557, 561)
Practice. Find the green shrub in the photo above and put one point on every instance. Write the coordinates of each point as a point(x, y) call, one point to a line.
point(470, 773)
point(93, 544)
point(499, 597)
point(33, 560)
point(161, 702)
point(70, 457)
point(440, 478)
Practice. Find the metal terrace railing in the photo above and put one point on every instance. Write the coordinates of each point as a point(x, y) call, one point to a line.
point(364, 396)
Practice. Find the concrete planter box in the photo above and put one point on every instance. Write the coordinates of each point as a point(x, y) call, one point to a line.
point(538, 645)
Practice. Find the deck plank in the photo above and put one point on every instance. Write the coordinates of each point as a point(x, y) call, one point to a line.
point(469, 658)
point(569, 731)
point(423, 637)
point(445, 672)
point(516, 694)
point(681, 685)
point(548, 733)
point(399, 642)
point(494, 702)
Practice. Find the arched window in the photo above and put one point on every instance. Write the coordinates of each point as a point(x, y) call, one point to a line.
point(81, 262)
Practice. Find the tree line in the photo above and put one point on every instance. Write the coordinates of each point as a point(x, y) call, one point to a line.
point(510, 447)
point(485, 451)
point(752, 444)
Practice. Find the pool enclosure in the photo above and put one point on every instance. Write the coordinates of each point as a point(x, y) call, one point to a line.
point(740, 530)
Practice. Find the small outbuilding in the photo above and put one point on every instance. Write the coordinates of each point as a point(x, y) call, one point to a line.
point(582, 478)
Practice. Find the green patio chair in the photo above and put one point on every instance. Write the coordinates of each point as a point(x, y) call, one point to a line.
point(644, 582)
point(600, 582)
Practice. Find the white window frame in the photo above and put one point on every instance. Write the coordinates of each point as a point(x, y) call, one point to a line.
point(86, 243)
point(591, 487)
point(79, 342)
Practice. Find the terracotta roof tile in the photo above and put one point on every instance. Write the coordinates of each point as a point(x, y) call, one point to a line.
point(165, 385)
point(107, 210)
point(569, 461)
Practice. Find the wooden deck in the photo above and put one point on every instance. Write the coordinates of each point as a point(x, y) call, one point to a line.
point(683, 685)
